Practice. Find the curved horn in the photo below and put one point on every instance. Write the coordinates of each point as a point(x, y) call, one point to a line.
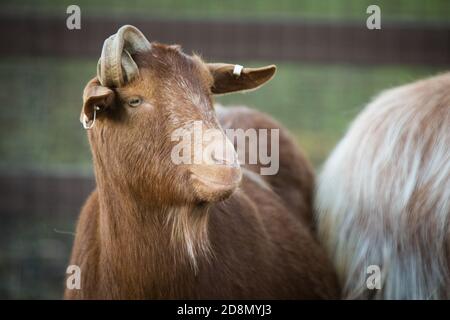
point(115, 66)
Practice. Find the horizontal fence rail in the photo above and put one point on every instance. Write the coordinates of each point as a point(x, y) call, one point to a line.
point(319, 42)
point(43, 194)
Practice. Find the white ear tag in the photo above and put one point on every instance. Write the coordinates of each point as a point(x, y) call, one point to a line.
point(237, 70)
point(85, 121)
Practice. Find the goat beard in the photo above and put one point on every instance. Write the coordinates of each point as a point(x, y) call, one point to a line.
point(189, 226)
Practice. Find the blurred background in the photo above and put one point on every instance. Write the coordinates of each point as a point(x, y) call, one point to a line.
point(329, 66)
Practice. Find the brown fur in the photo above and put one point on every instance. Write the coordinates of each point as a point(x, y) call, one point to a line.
point(136, 230)
point(294, 182)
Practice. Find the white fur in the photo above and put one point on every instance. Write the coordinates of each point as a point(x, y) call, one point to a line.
point(383, 197)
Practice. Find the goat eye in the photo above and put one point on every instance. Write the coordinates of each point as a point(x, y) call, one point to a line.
point(134, 102)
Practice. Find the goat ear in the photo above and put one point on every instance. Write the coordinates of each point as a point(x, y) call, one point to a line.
point(232, 78)
point(95, 95)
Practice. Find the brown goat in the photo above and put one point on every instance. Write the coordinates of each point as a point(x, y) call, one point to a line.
point(153, 229)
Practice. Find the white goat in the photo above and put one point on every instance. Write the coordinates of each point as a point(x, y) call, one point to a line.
point(384, 195)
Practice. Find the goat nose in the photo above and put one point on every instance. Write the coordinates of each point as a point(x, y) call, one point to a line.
point(219, 159)
point(225, 155)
